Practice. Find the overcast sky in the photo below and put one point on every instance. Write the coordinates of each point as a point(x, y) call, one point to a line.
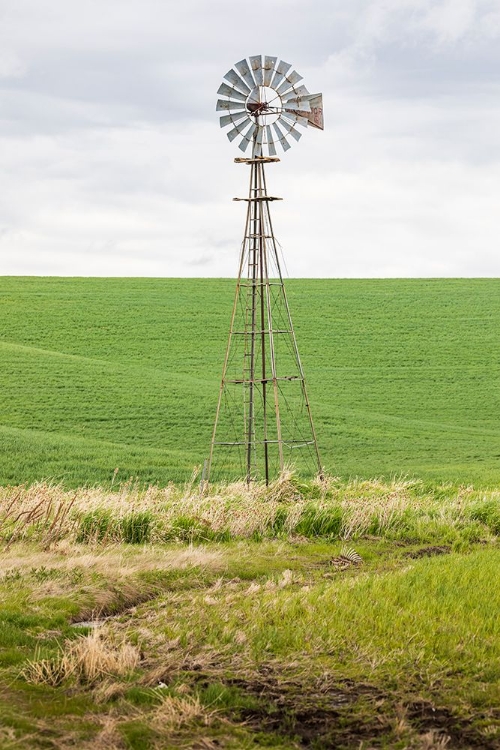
point(112, 162)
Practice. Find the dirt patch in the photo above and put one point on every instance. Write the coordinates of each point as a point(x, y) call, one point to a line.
point(314, 715)
point(335, 713)
point(427, 717)
point(428, 552)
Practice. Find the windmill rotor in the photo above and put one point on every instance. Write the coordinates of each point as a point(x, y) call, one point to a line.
point(264, 103)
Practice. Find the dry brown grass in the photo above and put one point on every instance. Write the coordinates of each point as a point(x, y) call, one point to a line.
point(175, 712)
point(433, 740)
point(51, 515)
point(87, 660)
point(115, 561)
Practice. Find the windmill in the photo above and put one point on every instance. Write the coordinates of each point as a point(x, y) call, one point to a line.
point(263, 420)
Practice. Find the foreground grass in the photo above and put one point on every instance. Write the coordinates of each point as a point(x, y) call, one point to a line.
point(408, 510)
point(99, 374)
point(343, 615)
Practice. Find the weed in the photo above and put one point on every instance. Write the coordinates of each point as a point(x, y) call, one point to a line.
point(136, 527)
point(488, 513)
point(94, 526)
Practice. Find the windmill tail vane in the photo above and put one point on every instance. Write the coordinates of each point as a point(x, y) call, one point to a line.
point(263, 420)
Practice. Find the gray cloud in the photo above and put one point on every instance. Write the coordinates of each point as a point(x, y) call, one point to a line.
point(113, 161)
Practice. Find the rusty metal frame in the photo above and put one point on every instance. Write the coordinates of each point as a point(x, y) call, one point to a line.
point(259, 244)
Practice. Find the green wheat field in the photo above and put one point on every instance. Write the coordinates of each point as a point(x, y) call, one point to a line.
point(355, 611)
point(105, 374)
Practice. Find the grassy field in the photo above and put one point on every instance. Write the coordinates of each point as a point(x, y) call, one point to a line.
point(349, 612)
point(321, 615)
point(105, 374)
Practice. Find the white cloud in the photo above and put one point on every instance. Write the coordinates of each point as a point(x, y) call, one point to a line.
point(113, 162)
point(451, 20)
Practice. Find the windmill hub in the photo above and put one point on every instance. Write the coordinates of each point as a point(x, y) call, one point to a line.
point(264, 102)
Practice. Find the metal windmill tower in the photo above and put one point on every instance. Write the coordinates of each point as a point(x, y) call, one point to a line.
point(263, 420)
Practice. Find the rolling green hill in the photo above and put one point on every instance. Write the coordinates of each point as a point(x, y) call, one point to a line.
point(105, 374)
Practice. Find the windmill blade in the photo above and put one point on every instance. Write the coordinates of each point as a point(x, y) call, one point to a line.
point(290, 129)
point(290, 80)
point(259, 136)
point(244, 71)
point(294, 105)
point(225, 90)
point(233, 77)
point(269, 63)
point(238, 129)
point(297, 91)
point(284, 143)
point(232, 119)
point(256, 65)
point(270, 142)
point(281, 71)
point(295, 117)
point(225, 104)
point(272, 148)
point(248, 137)
point(254, 96)
point(233, 133)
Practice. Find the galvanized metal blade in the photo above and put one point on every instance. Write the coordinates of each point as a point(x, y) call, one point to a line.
point(254, 96)
point(238, 82)
point(244, 71)
point(248, 137)
point(291, 130)
point(238, 129)
point(281, 71)
point(281, 137)
point(297, 105)
point(297, 91)
point(227, 104)
point(233, 133)
point(269, 63)
point(256, 65)
point(233, 119)
point(295, 117)
point(259, 136)
point(290, 80)
point(225, 90)
point(270, 142)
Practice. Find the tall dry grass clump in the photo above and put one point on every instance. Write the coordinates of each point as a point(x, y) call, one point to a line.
point(87, 660)
point(328, 507)
point(175, 712)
